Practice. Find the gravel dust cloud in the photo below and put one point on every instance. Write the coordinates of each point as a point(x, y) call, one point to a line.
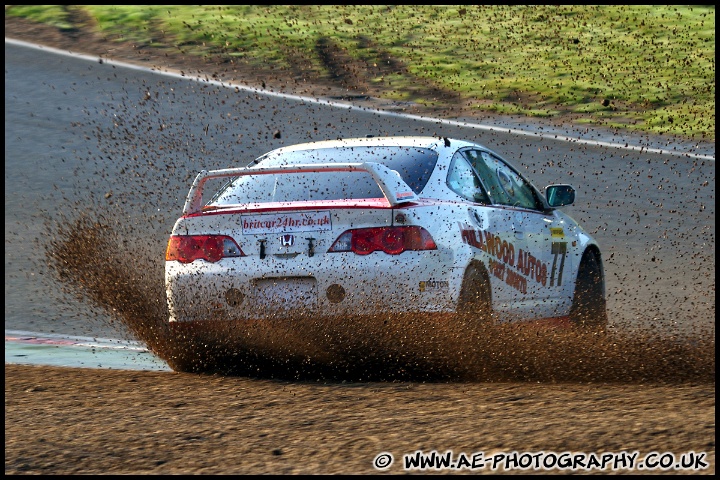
point(89, 258)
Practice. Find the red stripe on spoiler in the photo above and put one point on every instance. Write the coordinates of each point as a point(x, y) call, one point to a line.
point(380, 203)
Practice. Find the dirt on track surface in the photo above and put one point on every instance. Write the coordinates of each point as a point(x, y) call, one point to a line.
point(83, 421)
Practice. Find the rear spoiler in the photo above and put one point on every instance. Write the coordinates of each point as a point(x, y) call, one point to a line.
point(393, 187)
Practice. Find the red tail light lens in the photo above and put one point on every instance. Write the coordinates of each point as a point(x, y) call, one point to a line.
point(211, 248)
point(391, 240)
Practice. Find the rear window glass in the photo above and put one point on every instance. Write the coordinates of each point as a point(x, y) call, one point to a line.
point(413, 164)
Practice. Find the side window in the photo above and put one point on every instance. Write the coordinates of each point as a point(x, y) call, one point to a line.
point(504, 185)
point(462, 180)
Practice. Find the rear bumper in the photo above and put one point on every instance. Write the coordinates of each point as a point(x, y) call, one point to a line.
point(325, 286)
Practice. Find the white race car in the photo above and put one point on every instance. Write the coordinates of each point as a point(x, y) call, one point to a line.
point(381, 225)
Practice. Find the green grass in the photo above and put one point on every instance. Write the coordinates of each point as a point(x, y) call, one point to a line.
point(644, 68)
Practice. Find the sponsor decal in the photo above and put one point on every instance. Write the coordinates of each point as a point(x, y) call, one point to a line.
point(286, 222)
point(403, 195)
point(516, 268)
point(557, 232)
point(434, 285)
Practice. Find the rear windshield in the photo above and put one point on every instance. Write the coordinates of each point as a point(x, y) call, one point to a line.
point(413, 164)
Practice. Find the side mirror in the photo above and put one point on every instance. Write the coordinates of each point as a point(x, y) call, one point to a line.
point(559, 195)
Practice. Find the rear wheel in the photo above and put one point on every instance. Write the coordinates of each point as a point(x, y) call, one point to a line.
point(589, 307)
point(474, 303)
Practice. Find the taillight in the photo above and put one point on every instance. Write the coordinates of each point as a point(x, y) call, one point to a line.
point(188, 248)
point(391, 240)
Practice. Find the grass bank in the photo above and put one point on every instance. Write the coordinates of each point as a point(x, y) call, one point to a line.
point(643, 68)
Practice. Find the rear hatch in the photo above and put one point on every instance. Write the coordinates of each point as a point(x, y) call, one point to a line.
point(298, 202)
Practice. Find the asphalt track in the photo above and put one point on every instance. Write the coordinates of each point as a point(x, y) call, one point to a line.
point(649, 201)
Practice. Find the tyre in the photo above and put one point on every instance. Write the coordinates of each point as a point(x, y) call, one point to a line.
point(475, 301)
point(589, 307)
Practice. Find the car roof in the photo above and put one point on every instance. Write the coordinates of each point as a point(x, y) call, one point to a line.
point(435, 143)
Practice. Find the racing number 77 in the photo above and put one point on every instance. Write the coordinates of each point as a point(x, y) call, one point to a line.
point(557, 248)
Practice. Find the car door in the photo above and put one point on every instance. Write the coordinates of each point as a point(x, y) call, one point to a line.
point(527, 243)
point(486, 230)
